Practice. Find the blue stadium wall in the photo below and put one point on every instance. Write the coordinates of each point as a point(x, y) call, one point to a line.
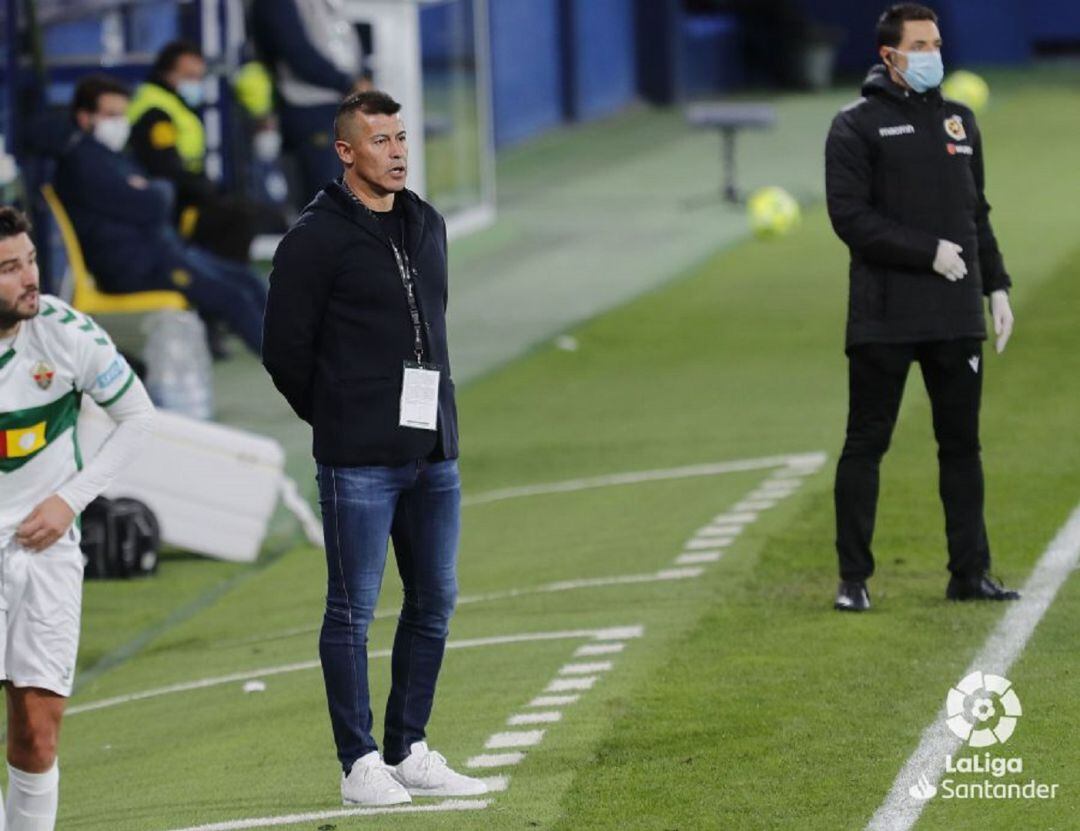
point(976, 32)
point(554, 60)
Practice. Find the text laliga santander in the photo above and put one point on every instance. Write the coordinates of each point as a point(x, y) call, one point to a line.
point(997, 767)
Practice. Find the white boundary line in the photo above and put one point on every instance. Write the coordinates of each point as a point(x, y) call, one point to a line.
point(900, 811)
point(663, 575)
point(606, 634)
point(801, 460)
point(315, 816)
point(796, 465)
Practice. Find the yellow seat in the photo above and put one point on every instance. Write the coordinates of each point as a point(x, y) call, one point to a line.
point(87, 297)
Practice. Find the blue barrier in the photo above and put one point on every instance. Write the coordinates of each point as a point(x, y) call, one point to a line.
point(598, 56)
point(711, 55)
point(526, 70)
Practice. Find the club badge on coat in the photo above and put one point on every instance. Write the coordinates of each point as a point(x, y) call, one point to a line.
point(954, 127)
point(43, 373)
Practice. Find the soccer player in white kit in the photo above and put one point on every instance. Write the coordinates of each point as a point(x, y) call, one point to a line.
point(50, 356)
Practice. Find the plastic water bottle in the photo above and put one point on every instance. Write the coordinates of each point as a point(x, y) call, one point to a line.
point(179, 376)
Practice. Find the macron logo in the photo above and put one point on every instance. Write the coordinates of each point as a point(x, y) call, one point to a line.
point(899, 130)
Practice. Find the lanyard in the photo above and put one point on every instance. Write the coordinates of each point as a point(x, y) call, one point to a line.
point(405, 268)
point(406, 271)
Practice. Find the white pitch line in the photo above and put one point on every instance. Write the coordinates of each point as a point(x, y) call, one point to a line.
point(606, 634)
point(316, 816)
point(701, 557)
point(719, 525)
point(900, 811)
point(553, 700)
point(496, 784)
point(567, 684)
point(709, 542)
point(723, 543)
point(591, 649)
point(521, 738)
point(586, 669)
point(756, 505)
point(639, 477)
point(734, 518)
point(727, 529)
point(546, 717)
point(495, 760)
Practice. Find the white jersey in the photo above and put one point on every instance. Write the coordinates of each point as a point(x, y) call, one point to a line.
point(56, 358)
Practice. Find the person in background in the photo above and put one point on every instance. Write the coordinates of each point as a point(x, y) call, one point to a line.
point(169, 142)
point(316, 58)
point(123, 220)
point(905, 186)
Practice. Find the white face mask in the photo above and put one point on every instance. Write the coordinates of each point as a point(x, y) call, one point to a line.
point(113, 132)
point(267, 145)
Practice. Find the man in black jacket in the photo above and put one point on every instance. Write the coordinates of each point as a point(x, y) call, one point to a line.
point(904, 180)
point(355, 339)
point(122, 220)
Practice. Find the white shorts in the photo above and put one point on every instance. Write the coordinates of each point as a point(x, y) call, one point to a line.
point(40, 607)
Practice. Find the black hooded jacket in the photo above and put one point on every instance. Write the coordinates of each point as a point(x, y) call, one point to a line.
point(337, 331)
point(903, 171)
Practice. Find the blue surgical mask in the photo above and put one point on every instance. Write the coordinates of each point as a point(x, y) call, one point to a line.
point(192, 92)
point(925, 70)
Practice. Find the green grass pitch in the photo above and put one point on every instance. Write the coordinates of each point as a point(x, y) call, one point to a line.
point(745, 703)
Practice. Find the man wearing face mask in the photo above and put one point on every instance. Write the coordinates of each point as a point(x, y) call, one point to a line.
point(169, 142)
point(123, 220)
point(905, 187)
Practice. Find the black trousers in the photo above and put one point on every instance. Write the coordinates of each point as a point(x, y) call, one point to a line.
point(952, 372)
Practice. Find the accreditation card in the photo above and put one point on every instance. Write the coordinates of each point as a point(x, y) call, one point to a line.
point(420, 396)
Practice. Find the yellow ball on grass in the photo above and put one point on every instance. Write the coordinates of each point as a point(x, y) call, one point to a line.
point(773, 212)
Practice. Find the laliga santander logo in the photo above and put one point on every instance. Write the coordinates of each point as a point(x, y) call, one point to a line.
point(982, 709)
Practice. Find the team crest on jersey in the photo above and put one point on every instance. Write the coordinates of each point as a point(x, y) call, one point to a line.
point(954, 127)
point(43, 373)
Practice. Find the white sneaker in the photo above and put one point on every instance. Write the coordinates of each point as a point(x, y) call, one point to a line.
point(425, 773)
point(371, 782)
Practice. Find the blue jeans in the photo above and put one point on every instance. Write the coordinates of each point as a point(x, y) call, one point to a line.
point(418, 505)
point(226, 290)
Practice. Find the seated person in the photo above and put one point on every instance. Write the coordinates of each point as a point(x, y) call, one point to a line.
point(169, 142)
point(122, 220)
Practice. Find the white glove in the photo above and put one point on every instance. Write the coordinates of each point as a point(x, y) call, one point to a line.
point(1001, 311)
point(948, 262)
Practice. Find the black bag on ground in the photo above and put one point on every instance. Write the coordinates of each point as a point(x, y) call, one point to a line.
point(120, 538)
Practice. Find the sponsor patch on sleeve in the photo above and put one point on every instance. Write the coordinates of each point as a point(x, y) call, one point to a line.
point(114, 371)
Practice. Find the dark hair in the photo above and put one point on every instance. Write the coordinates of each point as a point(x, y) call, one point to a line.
point(372, 102)
point(890, 26)
point(90, 89)
point(172, 52)
point(13, 222)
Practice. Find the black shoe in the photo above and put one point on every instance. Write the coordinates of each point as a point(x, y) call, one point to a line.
point(980, 587)
point(852, 596)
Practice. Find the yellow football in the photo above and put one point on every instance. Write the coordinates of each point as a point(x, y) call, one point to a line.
point(967, 88)
point(773, 212)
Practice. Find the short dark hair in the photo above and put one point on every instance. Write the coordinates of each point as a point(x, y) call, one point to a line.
point(13, 222)
point(172, 52)
point(890, 26)
point(91, 88)
point(371, 102)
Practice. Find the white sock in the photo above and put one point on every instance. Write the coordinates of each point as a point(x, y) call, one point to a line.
point(2, 823)
point(32, 799)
